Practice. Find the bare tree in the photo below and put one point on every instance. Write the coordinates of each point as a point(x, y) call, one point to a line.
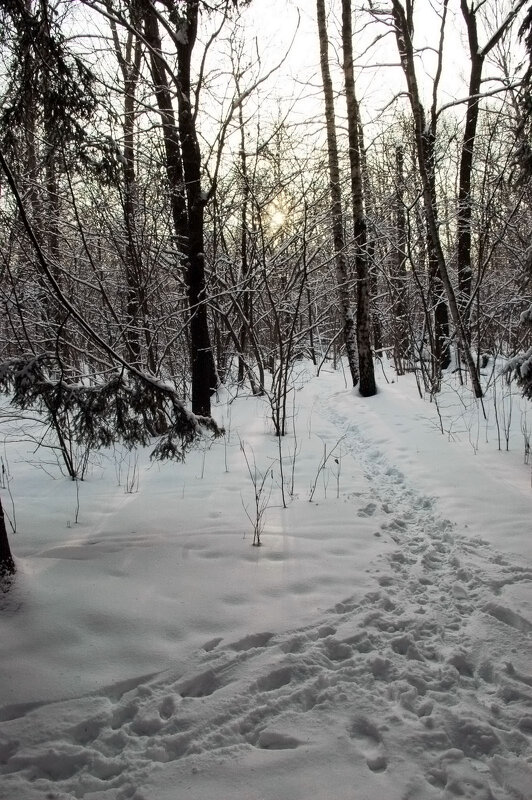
point(183, 169)
point(477, 56)
point(406, 52)
point(342, 272)
point(129, 60)
point(367, 385)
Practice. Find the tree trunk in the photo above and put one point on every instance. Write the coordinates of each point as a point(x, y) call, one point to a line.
point(244, 263)
point(130, 67)
point(477, 57)
point(7, 563)
point(371, 236)
point(183, 166)
point(442, 342)
point(406, 54)
point(342, 273)
point(204, 378)
point(367, 386)
point(398, 276)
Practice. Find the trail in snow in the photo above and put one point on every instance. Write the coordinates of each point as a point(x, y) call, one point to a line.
point(422, 686)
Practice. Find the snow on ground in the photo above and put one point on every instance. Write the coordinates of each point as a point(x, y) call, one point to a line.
point(376, 646)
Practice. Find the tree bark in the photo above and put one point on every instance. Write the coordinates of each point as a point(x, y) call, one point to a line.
point(7, 562)
point(367, 386)
point(204, 377)
point(342, 273)
point(183, 163)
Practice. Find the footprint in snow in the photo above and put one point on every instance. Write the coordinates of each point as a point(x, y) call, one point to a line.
point(274, 680)
point(273, 740)
point(370, 742)
point(201, 685)
point(251, 641)
point(368, 510)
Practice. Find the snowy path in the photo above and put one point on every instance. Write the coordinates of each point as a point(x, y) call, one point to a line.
point(418, 689)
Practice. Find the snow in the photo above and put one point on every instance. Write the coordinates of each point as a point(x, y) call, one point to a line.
point(377, 645)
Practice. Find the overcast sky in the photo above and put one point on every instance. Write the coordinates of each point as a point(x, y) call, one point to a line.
point(274, 22)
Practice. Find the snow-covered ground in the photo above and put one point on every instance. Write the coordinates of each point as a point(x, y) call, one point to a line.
point(376, 647)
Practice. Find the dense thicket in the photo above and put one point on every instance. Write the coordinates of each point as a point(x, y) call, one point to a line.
point(521, 364)
point(164, 228)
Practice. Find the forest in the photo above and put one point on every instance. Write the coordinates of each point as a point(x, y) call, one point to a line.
point(266, 384)
point(186, 204)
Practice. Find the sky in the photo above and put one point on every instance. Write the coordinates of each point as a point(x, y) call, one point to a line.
point(274, 24)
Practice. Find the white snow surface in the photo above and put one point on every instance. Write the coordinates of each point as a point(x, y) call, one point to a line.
point(377, 646)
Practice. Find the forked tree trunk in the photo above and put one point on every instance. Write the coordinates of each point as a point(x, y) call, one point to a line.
point(406, 54)
point(183, 169)
point(342, 272)
point(477, 56)
point(367, 385)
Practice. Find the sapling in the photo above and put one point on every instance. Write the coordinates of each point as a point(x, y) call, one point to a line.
point(323, 463)
point(228, 431)
point(118, 460)
point(281, 469)
point(508, 419)
point(503, 418)
point(76, 512)
point(262, 494)
point(325, 478)
point(204, 455)
point(132, 477)
point(496, 410)
point(527, 432)
point(295, 453)
point(225, 452)
point(338, 462)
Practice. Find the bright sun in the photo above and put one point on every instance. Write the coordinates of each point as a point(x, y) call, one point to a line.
point(277, 218)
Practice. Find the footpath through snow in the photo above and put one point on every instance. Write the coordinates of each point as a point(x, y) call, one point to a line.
point(414, 684)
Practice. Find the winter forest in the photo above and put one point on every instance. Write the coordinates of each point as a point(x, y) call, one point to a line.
point(266, 375)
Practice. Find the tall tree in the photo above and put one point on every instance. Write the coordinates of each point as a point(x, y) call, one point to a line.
point(183, 169)
point(398, 276)
point(47, 102)
point(477, 57)
point(342, 272)
point(424, 152)
point(129, 60)
point(367, 385)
